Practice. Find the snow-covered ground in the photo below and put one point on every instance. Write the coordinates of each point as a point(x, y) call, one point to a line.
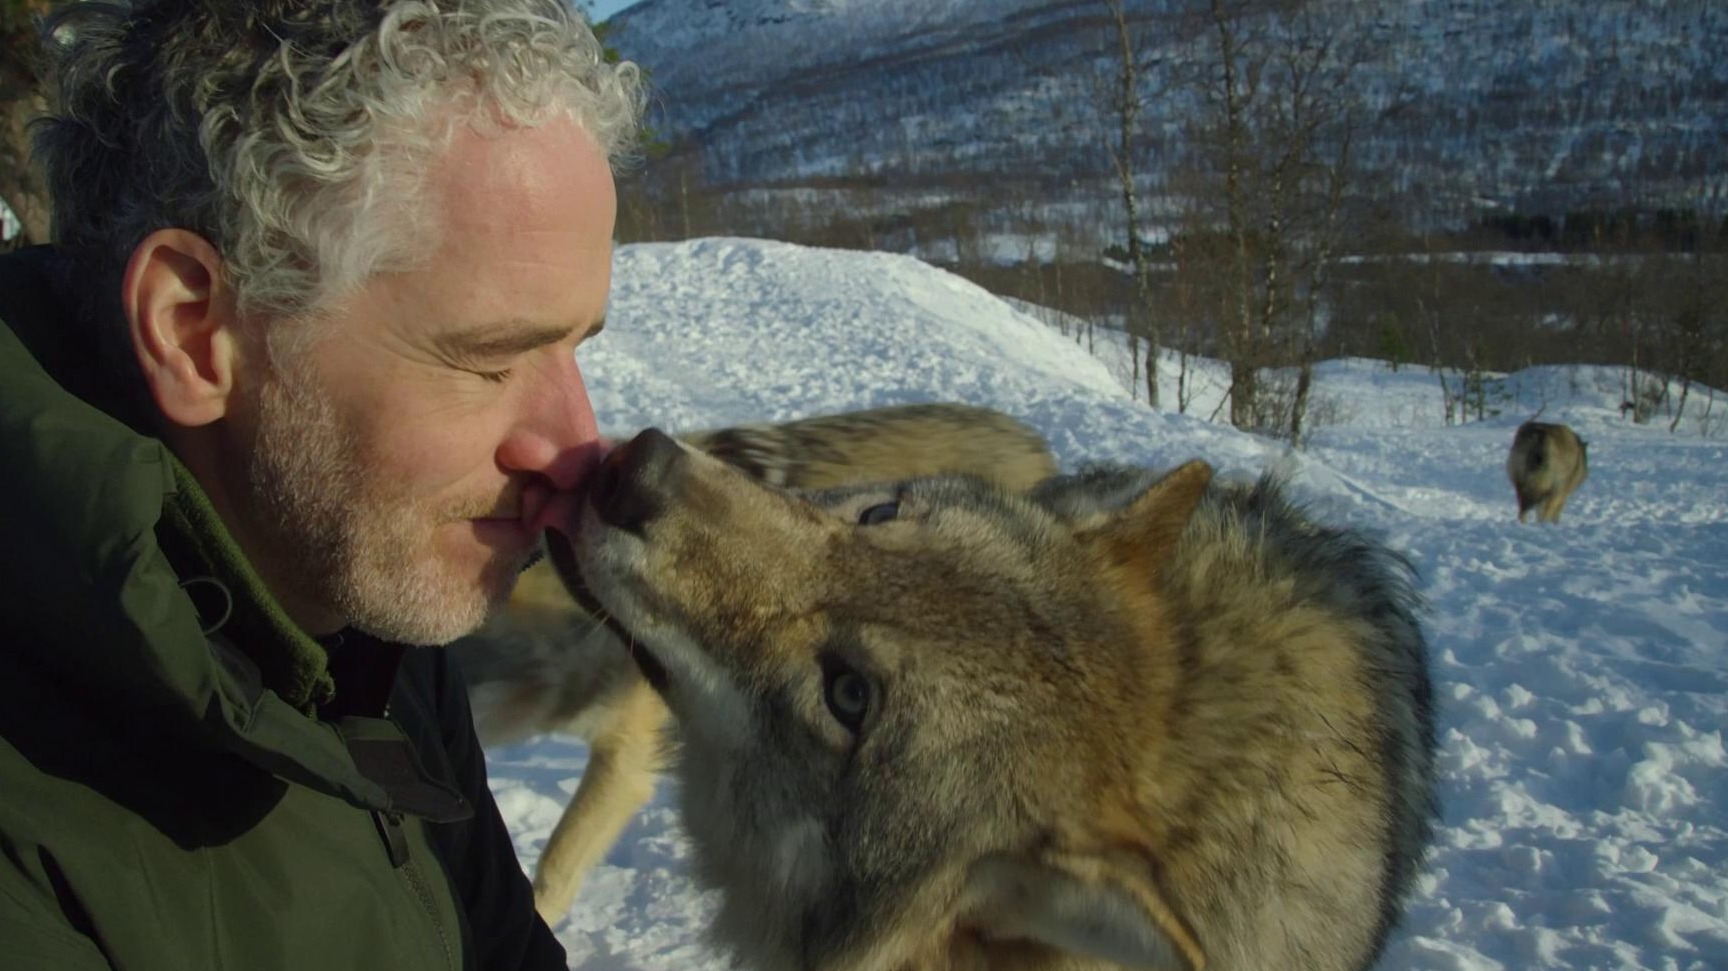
point(1582, 669)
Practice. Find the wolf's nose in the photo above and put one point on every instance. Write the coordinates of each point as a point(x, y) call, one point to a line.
point(630, 486)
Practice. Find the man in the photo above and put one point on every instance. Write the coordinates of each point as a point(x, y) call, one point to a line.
point(295, 393)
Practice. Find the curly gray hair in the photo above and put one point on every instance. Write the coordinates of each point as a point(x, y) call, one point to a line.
point(293, 134)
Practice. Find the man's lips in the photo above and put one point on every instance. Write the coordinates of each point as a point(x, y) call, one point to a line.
point(507, 522)
point(541, 505)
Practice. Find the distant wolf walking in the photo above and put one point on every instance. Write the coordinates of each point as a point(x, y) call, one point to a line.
point(1128, 720)
point(546, 665)
point(1546, 464)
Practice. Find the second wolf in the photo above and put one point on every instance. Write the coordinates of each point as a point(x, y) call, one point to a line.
point(1131, 720)
point(1546, 464)
point(545, 665)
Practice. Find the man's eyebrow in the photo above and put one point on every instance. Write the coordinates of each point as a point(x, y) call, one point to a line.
point(503, 339)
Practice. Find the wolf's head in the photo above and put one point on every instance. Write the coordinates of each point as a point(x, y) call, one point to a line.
point(868, 682)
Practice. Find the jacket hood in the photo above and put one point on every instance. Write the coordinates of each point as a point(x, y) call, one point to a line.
point(94, 512)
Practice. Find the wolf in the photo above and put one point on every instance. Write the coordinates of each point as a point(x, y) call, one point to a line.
point(1129, 719)
point(885, 444)
point(1547, 462)
point(544, 664)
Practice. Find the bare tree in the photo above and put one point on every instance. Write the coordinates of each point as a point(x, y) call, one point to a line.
point(1313, 102)
point(1694, 321)
point(22, 100)
point(1278, 110)
point(1127, 101)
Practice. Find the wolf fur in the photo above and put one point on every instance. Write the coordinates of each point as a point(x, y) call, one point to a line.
point(544, 664)
point(1130, 720)
point(1547, 462)
point(885, 444)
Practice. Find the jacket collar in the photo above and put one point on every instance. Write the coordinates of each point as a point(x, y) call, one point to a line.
point(171, 625)
point(231, 598)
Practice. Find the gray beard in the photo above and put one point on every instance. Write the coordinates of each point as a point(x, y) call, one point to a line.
point(344, 538)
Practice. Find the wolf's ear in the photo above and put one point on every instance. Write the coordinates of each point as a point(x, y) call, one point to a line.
point(1149, 526)
point(1077, 906)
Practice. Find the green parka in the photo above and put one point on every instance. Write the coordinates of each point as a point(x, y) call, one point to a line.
point(187, 781)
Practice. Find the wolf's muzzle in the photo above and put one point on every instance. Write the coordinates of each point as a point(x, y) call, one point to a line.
point(631, 485)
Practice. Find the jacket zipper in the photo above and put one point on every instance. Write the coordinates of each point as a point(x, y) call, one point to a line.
point(396, 843)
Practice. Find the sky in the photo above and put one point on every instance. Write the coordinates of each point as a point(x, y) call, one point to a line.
point(604, 9)
point(1581, 669)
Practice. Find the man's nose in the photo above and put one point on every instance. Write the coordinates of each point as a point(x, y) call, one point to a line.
point(558, 437)
point(633, 485)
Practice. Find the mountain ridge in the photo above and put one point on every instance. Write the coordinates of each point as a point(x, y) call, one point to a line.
point(1539, 105)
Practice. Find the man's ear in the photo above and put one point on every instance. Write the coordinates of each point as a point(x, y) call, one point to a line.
point(184, 324)
point(1081, 905)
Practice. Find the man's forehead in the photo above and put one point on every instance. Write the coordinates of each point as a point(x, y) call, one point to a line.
point(525, 178)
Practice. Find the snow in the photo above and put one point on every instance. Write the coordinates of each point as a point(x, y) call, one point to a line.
point(1582, 669)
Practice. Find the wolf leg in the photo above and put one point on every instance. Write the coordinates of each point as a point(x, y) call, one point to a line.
point(1551, 504)
point(623, 761)
point(1551, 509)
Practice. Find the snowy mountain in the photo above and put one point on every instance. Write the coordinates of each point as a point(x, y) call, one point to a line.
point(1537, 105)
point(1582, 669)
point(718, 44)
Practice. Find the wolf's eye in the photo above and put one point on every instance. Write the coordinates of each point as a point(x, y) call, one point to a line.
point(879, 514)
point(848, 695)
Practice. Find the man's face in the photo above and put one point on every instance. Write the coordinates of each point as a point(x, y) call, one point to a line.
point(405, 462)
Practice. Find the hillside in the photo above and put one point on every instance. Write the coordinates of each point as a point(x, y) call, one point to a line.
point(1534, 105)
